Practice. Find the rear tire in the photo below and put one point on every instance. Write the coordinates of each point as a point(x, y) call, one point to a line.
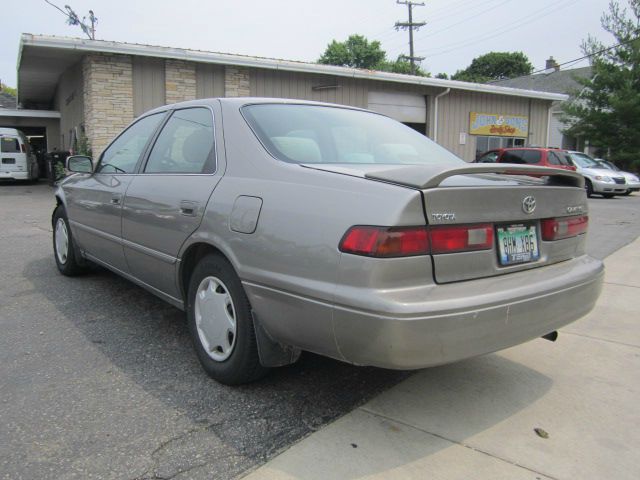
point(64, 250)
point(220, 323)
point(588, 187)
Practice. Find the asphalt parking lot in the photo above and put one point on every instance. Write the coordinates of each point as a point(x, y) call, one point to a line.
point(98, 378)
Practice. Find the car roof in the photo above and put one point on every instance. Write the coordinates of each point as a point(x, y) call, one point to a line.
point(242, 101)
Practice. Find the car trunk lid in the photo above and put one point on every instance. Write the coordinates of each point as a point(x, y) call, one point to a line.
point(506, 197)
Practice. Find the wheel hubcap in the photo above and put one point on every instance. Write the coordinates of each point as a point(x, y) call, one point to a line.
point(215, 317)
point(62, 241)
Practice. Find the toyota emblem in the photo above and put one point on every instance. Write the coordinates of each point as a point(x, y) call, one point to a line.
point(528, 204)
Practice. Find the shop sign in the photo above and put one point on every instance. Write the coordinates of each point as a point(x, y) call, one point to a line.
point(498, 125)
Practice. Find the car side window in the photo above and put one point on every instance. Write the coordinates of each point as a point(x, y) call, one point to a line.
point(123, 154)
point(532, 156)
point(185, 144)
point(490, 157)
point(564, 159)
point(513, 156)
point(554, 159)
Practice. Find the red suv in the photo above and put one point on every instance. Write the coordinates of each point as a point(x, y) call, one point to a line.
point(543, 157)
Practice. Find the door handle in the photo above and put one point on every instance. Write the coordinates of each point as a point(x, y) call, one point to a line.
point(115, 199)
point(188, 208)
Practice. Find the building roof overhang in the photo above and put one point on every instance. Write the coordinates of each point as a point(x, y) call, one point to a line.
point(19, 112)
point(43, 58)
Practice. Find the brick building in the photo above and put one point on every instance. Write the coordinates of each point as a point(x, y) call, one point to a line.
point(97, 87)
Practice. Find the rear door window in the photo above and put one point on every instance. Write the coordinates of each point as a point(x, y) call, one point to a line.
point(521, 156)
point(512, 156)
point(532, 156)
point(185, 144)
point(9, 145)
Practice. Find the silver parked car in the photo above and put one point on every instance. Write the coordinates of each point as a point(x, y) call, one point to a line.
point(598, 178)
point(282, 226)
point(632, 180)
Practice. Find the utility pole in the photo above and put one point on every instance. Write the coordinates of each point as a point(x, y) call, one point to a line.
point(411, 26)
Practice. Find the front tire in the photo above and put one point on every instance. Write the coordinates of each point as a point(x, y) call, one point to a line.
point(588, 187)
point(220, 323)
point(628, 192)
point(64, 250)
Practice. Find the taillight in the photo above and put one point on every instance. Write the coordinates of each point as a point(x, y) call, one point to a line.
point(461, 238)
point(409, 241)
point(385, 241)
point(563, 227)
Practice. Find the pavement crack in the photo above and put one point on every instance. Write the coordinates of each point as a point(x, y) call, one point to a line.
point(462, 444)
point(621, 284)
point(601, 339)
point(168, 442)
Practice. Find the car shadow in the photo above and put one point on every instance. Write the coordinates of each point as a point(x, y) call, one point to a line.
point(147, 340)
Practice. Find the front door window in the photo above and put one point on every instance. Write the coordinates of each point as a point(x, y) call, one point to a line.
point(123, 154)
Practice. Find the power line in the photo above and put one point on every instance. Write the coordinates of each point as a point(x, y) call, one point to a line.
point(435, 19)
point(575, 60)
point(527, 20)
point(473, 17)
point(411, 26)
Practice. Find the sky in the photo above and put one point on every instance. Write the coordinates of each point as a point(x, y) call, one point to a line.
point(456, 32)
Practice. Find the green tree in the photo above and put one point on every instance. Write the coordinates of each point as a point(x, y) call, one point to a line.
point(401, 65)
point(495, 66)
point(606, 110)
point(9, 90)
point(358, 52)
point(355, 52)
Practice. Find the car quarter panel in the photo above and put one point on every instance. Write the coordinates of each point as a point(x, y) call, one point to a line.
point(289, 264)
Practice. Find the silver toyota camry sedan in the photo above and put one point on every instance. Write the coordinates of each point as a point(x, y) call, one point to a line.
point(283, 225)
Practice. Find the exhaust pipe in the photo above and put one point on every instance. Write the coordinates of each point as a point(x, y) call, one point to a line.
point(552, 337)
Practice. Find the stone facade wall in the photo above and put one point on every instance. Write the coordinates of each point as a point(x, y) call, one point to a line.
point(237, 82)
point(108, 93)
point(180, 81)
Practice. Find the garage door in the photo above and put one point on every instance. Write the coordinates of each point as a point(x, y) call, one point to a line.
point(404, 107)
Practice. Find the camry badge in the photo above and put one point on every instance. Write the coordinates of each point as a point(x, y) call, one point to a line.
point(528, 204)
point(575, 209)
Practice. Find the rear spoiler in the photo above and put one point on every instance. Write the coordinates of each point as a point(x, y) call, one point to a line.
point(431, 176)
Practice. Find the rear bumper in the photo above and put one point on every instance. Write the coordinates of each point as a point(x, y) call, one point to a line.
point(14, 175)
point(466, 319)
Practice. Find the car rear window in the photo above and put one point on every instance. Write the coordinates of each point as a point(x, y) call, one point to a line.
point(9, 145)
point(521, 156)
point(319, 134)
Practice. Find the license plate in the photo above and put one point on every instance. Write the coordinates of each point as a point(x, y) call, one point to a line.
point(517, 244)
point(8, 161)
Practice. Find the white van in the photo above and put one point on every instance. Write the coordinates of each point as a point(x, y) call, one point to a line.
point(17, 161)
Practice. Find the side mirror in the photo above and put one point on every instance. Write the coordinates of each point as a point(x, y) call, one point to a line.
point(79, 164)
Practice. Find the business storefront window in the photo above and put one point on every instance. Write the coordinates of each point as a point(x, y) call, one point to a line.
point(485, 143)
point(498, 130)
